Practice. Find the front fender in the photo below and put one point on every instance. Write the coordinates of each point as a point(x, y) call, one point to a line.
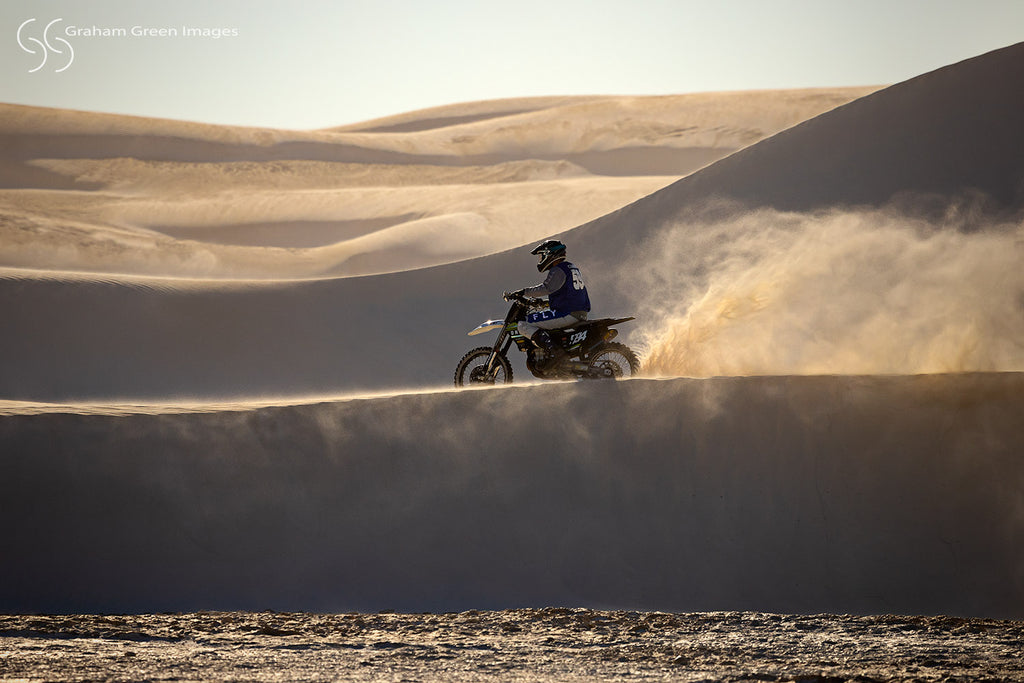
point(486, 326)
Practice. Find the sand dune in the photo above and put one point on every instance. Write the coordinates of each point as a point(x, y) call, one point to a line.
point(795, 495)
point(384, 229)
point(512, 172)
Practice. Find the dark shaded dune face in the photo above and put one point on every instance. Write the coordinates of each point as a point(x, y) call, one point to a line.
point(782, 494)
point(421, 124)
point(17, 174)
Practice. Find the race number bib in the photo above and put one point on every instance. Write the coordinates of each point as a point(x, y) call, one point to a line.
point(577, 278)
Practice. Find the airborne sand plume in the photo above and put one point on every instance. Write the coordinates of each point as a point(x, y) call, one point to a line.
point(867, 291)
point(840, 245)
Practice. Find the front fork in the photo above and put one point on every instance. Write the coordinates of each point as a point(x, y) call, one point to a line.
point(505, 338)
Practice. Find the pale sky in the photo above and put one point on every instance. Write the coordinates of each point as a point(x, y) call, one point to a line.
point(320, 64)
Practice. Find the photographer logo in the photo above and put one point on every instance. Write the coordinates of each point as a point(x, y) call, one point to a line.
point(63, 53)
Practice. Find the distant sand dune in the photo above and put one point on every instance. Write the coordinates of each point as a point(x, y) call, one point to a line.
point(176, 176)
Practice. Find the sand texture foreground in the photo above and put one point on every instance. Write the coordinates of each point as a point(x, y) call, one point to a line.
point(553, 644)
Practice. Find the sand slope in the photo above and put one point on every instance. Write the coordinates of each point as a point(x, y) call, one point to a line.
point(798, 495)
point(946, 138)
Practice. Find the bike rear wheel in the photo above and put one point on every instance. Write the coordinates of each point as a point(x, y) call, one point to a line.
point(614, 360)
point(472, 369)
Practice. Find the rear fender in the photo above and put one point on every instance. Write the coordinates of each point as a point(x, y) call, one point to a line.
point(597, 336)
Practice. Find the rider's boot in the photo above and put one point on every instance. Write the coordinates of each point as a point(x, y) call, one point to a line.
point(553, 351)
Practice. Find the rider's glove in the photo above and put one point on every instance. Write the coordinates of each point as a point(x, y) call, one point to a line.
point(512, 295)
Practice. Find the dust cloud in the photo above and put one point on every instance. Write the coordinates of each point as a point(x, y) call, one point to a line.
point(870, 291)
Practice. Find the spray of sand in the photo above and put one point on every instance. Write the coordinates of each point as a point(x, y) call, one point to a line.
point(855, 292)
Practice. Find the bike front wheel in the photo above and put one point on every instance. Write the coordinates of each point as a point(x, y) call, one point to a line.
point(472, 369)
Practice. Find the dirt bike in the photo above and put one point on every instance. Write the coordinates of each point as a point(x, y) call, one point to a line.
point(589, 352)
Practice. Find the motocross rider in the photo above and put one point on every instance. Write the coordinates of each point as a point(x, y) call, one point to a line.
point(568, 301)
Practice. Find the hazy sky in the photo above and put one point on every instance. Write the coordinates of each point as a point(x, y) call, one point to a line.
point(318, 64)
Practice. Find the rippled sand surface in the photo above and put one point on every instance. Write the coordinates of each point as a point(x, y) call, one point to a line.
point(528, 644)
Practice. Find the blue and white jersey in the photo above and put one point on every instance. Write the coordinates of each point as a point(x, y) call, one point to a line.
point(565, 289)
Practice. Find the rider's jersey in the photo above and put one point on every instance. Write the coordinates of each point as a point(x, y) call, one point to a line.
point(565, 289)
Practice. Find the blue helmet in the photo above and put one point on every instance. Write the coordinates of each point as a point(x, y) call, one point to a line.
point(550, 252)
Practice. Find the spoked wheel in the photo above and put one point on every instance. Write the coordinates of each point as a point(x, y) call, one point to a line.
point(472, 369)
point(612, 361)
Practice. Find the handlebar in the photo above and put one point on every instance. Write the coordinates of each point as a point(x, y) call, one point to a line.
point(525, 300)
